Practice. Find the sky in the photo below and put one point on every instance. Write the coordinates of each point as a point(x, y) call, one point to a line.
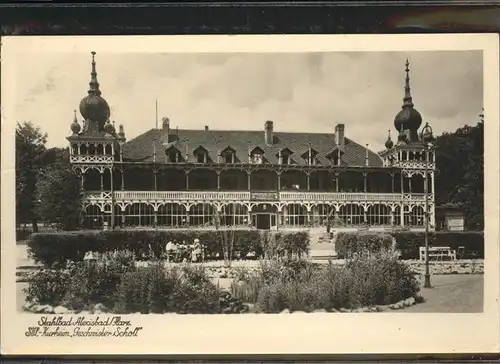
point(300, 92)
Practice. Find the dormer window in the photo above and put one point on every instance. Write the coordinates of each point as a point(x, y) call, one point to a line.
point(310, 157)
point(335, 156)
point(285, 156)
point(257, 156)
point(200, 155)
point(173, 155)
point(228, 155)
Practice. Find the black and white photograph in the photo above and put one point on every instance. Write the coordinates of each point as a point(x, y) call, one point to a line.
point(174, 184)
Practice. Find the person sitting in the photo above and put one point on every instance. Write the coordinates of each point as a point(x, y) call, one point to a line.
point(169, 250)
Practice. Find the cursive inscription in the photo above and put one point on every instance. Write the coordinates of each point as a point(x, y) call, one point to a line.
point(83, 326)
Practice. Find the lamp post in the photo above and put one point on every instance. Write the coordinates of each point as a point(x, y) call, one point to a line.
point(426, 137)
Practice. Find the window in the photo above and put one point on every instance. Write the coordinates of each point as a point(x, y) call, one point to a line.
point(173, 155)
point(257, 158)
point(200, 157)
point(284, 156)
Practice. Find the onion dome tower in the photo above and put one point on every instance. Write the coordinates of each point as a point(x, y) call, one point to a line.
point(109, 128)
point(408, 120)
point(93, 107)
point(75, 127)
point(389, 143)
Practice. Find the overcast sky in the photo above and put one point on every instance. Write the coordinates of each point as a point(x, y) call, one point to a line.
point(302, 92)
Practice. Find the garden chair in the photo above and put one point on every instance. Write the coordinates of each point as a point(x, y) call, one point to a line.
point(461, 252)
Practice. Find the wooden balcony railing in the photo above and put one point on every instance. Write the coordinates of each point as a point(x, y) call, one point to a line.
point(251, 196)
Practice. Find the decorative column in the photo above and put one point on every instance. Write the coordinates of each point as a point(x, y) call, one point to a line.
point(155, 180)
point(248, 179)
point(365, 182)
point(393, 217)
point(102, 179)
point(187, 179)
point(392, 182)
point(82, 179)
point(402, 182)
point(336, 182)
point(123, 179)
point(278, 173)
point(218, 179)
point(402, 213)
point(308, 181)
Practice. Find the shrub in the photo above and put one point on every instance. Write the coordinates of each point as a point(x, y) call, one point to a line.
point(54, 249)
point(47, 287)
point(156, 290)
point(290, 244)
point(408, 243)
point(97, 282)
point(348, 244)
point(378, 278)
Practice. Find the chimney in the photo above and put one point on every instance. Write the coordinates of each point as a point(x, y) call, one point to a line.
point(166, 129)
point(206, 127)
point(339, 136)
point(269, 132)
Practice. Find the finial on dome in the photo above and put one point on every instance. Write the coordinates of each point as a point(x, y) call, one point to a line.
point(121, 132)
point(389, 143)
point(75, 127)
point(407, 101)
point(108, 128)
point(94, 85)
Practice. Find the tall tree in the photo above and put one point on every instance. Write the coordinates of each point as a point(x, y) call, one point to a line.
point(30, 145)
point(58, 193)
point(460, 179)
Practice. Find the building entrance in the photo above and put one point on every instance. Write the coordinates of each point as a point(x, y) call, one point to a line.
point(264, 221)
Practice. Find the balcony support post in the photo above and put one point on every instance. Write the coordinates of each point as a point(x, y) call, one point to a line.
point(365, 182)
point(308, 174)
point(218, 180)
point(392, 182)
point(249, 173)
point(187, 179)
point(123, 179)
point(278, 173)
point(155, 180)
point(102, 179)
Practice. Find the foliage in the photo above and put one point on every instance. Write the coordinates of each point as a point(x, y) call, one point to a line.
point(30, 145)
point(95, 282)
point(347, 244)
point(408, 243)
point(57, 248)
point(371, 279)
point(156, 290)
point(460, 177)
point(47, 286)
point(291, 244)
point(58, 193)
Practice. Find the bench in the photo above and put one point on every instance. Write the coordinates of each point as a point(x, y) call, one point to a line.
point(438, 253)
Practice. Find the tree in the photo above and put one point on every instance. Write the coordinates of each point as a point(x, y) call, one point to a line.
point(58, 192)
point(30, 145)
point(227, 239)
point(460, 177)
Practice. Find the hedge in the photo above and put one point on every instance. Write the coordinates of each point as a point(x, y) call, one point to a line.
point(408, 243)
point(348, 244)
point(57, 248)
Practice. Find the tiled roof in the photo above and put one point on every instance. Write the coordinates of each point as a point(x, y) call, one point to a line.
point(141, 147)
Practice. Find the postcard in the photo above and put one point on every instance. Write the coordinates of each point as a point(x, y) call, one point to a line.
point(319, 194)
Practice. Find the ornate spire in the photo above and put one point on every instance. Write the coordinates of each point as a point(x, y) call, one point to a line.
point(389, 143)
point(407, 101)
point(94, 85)
point(75, 127)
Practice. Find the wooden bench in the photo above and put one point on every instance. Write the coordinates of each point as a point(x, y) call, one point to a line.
point(438, 253)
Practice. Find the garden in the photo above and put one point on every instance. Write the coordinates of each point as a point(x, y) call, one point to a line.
point(268, 272)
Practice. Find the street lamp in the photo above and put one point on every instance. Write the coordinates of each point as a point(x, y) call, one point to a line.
point(426, 137)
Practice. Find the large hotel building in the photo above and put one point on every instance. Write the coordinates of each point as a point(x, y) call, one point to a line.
point(170, 177)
